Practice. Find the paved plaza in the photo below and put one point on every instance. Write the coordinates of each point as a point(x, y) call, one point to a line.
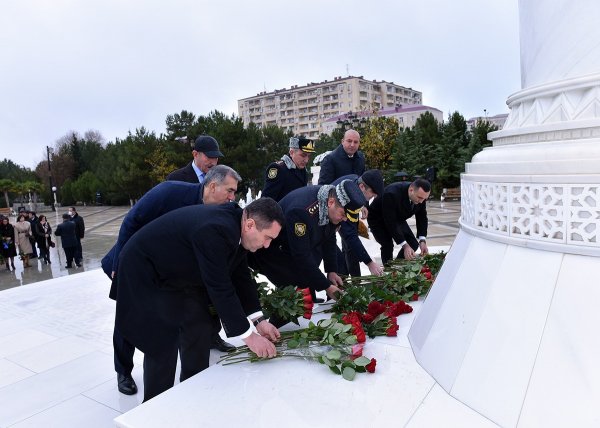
point(56, 360)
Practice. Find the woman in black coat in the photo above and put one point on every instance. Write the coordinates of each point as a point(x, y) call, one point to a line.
point(42, 232)
point(7, 234)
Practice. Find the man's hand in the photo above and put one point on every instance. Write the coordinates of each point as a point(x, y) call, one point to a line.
point(423, 247)
point(268, 330)
point(409, 253)
point(332, 292)
point(260, 346)
point(375, 268)
point(335, 279)
point(364, 213)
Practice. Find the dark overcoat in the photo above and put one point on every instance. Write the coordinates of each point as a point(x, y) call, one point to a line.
point(185, 252)
point(337, 164)
point(394, 207)
point(186, 174)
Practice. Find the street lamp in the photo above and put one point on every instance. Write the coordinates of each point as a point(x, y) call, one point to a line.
point(350, 121)
point(55, 202)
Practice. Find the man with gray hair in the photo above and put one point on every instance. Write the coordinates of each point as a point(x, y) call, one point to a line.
point(289, 173)
point(219, 187)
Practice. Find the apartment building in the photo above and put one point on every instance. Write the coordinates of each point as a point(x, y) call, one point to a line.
point(499, 120)
point(304, 109)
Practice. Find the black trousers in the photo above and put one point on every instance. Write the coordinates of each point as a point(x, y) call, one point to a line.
point(194, 344)
point(123, 353)
point(384, 238)
point(78, 252)
point(69, 254)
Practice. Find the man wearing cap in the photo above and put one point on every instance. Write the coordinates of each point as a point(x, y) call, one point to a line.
point(289, 173)
point(344, 160)
point(206, 155)
point(219, 187)
point(312, 215)
point(354, 252)
point(388, 214)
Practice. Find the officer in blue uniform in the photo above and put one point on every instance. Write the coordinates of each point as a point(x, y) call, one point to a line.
point(289, 173)
point(178, 265)
point(312, 215)
point(219, 187)
point(371, 185)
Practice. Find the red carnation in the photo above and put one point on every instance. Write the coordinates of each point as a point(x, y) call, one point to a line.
point(371, 366)
point(392, 330)
point(361, 337)
point(415, 297)
point(307, 315)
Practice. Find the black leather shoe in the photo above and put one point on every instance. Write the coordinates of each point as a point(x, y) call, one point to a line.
point(126, 384)
point(221, 345)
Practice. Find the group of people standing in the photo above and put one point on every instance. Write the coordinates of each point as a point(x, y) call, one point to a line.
point(31, 237)
point(181, 265)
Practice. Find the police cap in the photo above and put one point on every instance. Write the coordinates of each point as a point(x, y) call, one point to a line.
point(351, 198)
point(302, 143)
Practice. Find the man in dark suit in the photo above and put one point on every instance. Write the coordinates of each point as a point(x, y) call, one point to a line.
point(178, 264)
point(371, 185)
point(344, 160)
point(312, 215)
point(68, 238)
point(289, 173)
point(218, 188)
point(388, 214)
point(206, 155)
point(79, 232)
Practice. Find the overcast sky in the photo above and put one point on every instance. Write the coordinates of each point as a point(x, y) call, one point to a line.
point(117, 65)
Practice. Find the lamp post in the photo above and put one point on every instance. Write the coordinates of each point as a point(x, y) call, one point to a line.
point(55, 203)
point(350, 121)
point(50, 178)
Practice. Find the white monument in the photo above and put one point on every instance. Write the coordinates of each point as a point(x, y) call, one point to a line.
point(509, 327)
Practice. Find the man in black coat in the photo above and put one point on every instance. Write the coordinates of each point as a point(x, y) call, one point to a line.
point(388, 214)
point(344, 160)
point(312, 215)
point(68, 238)
point(79, 232)
point(175, 266)
point(289, 173)
point(219, 187)
point(206, 155)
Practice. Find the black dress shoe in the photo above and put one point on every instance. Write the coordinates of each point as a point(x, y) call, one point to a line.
point(221, 345)
point(126, 384)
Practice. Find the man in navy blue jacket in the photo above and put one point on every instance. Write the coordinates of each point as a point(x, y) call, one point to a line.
point(68, 238)
point(344, 160)
point(219, 187)
point(178, 265)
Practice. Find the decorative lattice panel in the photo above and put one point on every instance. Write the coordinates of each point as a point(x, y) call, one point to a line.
point(467, 202)
point(537, 212)
point(491, 207)
point(583, 225)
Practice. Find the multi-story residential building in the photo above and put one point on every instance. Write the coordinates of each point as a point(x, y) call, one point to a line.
point(498, 120)
point(406, 116)
point(303, 109)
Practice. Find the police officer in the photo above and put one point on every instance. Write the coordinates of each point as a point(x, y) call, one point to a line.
point(219, 187)
point(371, 185)
point(289, 173)
point(312, 215)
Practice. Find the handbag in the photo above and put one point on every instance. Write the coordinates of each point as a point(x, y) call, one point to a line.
point(52, 244)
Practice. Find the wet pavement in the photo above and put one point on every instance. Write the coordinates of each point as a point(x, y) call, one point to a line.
point(103, 223)
point(101, 230)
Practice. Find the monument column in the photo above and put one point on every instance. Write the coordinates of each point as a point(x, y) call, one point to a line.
point(508, 327)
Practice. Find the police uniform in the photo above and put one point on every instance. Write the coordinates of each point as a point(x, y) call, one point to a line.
point(283, 176)
point(293, 258)
point(387, 219)
point(170, 270)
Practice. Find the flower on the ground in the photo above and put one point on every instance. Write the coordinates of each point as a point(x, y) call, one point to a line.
point(371, 366)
